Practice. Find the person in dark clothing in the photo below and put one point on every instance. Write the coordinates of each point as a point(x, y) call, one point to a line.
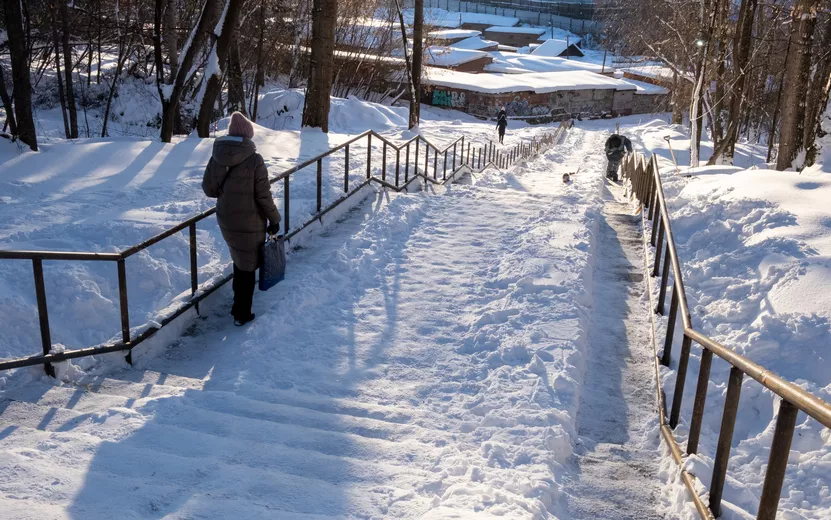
point(237, 177)
point(616, 147)
point(502, 124)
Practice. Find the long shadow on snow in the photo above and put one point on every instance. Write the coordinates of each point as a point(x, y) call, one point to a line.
point(271, 433)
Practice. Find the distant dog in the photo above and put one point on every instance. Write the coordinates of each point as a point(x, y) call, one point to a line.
point(566, 178)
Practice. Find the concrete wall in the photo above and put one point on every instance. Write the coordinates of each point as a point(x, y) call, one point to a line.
point(588, 103)
point(531, 17)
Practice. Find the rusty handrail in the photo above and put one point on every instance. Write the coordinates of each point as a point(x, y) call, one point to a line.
point(200, 292)
point(647, 189)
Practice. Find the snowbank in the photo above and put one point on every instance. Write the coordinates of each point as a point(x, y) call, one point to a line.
point(453, 34)
point(475, 43)
point(755, 250)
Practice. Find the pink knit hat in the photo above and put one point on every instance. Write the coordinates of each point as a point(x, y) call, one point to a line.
point(240, 126)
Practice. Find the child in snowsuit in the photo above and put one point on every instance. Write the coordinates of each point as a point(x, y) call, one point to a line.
point(502, 124)
point(616, 147)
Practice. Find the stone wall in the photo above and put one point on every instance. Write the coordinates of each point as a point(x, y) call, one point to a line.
point(650, 103)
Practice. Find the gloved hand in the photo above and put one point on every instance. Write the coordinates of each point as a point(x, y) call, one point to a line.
point(273, 229)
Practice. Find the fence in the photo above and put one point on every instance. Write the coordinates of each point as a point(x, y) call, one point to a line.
point(579, 17)
point(459, 155)
point(647, 189)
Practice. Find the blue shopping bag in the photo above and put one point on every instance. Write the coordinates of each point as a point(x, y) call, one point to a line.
point(272, 262)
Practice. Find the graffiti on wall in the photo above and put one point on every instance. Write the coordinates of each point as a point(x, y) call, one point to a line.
point(452, 99)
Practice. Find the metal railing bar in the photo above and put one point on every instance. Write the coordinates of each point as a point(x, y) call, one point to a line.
point(725, 440)
point(58, 255)
point(317, 216)
point(778, 461)
point(700, 401)
point(805, 401)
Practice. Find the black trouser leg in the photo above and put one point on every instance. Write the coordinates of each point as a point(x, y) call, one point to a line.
point(243, 293)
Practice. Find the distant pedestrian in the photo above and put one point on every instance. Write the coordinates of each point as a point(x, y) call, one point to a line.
point(616, 147)
point(502, 124)
point(237, 177)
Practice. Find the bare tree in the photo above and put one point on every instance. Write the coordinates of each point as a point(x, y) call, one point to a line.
point(418, 56)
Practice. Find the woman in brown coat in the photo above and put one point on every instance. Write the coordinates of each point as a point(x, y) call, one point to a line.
point(237, 177)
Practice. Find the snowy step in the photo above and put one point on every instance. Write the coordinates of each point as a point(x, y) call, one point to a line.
point(87, 416)
point(138, 384)
point(137, 473)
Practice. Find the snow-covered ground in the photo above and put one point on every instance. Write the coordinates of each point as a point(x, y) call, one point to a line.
point(755, 250)
point(423, 358)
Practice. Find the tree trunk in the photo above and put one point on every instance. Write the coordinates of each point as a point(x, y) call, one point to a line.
point(817, 122)
point(797, 73)
point(123, 54)
point(418, 57)
point(236, 89)
point(319, 86)
point(171, 38)
point(61, 92)
point(7, 104)
point(19, 52)
point(817, 95)
point(68, 68)
point(212, 85)
point(170, 92)
point(258, 74)
point(414, 100)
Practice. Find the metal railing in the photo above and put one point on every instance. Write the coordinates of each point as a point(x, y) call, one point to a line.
point(458, 155)
point(647, 189)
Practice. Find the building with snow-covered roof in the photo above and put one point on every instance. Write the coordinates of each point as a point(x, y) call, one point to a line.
point(515, 36)
point(476, 43)
point(464, 60)
point(451, 36)
point(558, 48)
point(541, 95)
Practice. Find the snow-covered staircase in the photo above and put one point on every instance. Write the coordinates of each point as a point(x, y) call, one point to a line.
point(262, 445)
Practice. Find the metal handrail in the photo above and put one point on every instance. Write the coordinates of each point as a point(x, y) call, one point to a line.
point(484, 156)
point(647, 189)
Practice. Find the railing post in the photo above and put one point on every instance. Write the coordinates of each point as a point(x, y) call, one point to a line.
point(319, 185)
point(467, 160)
point(673, 314)
point(407, 165)
point(664, 283)
point(778, 461)
point(384, 162)
point(415, 158)
point(123, 306)
point(346, 172)
point(680, 381)
point(725, 439)
point(656, 223)
point(700, 400)
point(453, 168)
point(659, 247)
point(426, 162)
point(444, 168)
point(435, 163)
point(286, 208)
point(368, 156)
point(397, 165)
point(43, 313)
point(194, 272)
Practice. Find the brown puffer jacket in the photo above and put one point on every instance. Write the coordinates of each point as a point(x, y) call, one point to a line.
point(237, 177)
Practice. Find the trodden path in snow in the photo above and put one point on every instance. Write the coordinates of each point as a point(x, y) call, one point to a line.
point(617, 456)
point(422, 359)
